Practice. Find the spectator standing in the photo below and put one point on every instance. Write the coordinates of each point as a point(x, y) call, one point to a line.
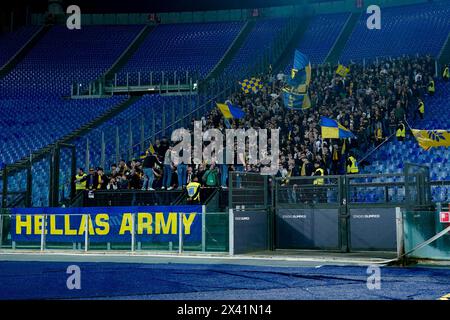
point(148, 165)
point(80, 181)
point(167, 174)
point(210, 177)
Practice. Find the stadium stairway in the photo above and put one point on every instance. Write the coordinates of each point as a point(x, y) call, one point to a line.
point(263, 46)
point(179, 51)
point(232, 50)
point(286, 56)
point(444, 55)
point(22, 52)
point(128, 52)
point(418, 29)
point(110, 113)
point(392, 156)
point(341, 40)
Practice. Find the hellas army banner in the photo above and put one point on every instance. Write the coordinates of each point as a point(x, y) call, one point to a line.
point(107, 224)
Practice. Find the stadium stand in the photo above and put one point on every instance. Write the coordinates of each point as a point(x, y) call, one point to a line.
point(60, 58)
point(321, 35)
point(258, 41)
point(407, 30)
point(48, 70)
point(65, 56)
point(392, 156)
point(142, 112)
point(38, 125)
point(13, 41)
point(195, 48)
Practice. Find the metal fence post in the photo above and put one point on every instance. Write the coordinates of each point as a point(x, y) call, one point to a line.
point(400, 232)
point(180, 232)
point(117, 145)
point(1, 227)
point(163, 119)
point(86, 233)
point(203, 228)
point(142, 142)
point(133, 231)
point(29, 193)
point(103, 150)
point(230, 189)
point(44, 227)
point(231, 231)
point(344, 213)
point(272, 215)
point(172, 125)
point(153, 127)
point(130, 141)
point(87, 158)
point(5, 187)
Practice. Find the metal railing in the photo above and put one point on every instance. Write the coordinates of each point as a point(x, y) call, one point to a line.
point(20, 176)
point(134, 150)
point(160, 82)
point(353, 190)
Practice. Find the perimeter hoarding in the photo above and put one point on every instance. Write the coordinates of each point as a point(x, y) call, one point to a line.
point(107, 224)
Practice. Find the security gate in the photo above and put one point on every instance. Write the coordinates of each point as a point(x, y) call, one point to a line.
point(340, 213)
point(346, 213)
point(308, 215)
point(250, 228)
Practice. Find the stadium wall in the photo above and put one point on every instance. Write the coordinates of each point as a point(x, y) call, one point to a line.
point(229, 15)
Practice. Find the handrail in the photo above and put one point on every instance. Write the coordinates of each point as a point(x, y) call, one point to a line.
point(172, 124)
point(376, 148)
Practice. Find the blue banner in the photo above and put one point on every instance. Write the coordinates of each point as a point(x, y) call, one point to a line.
point(107, 224)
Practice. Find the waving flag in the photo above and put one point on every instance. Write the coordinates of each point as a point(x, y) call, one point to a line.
point(296, 101)
point(300, 72)
point(342, 70)
point(432, 138)
point(252, 85)
point(150, 150)
point(230, 111)
point(331, 129)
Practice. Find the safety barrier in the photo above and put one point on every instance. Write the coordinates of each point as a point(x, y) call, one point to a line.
point(133, 229)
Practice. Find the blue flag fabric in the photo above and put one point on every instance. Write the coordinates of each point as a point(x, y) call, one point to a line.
point(296, 101)
point(301, 71)
point(231, 111)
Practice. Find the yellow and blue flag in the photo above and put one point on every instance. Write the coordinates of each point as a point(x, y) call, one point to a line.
point(331, 129)
point(150, 150)
point(432, 138)
point(296, 101)
point(342, 70)
point(230, 111)
point(300, 72)
point(252, 85)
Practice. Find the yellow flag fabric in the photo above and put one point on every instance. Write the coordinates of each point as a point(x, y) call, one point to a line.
point(150, 150)
point(432, 138)
point(342, 70)
point(225, 110)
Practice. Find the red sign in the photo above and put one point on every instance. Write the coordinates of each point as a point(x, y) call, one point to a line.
point(444, 217)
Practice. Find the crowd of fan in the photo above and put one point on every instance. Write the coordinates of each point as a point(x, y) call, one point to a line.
point(373, 101)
